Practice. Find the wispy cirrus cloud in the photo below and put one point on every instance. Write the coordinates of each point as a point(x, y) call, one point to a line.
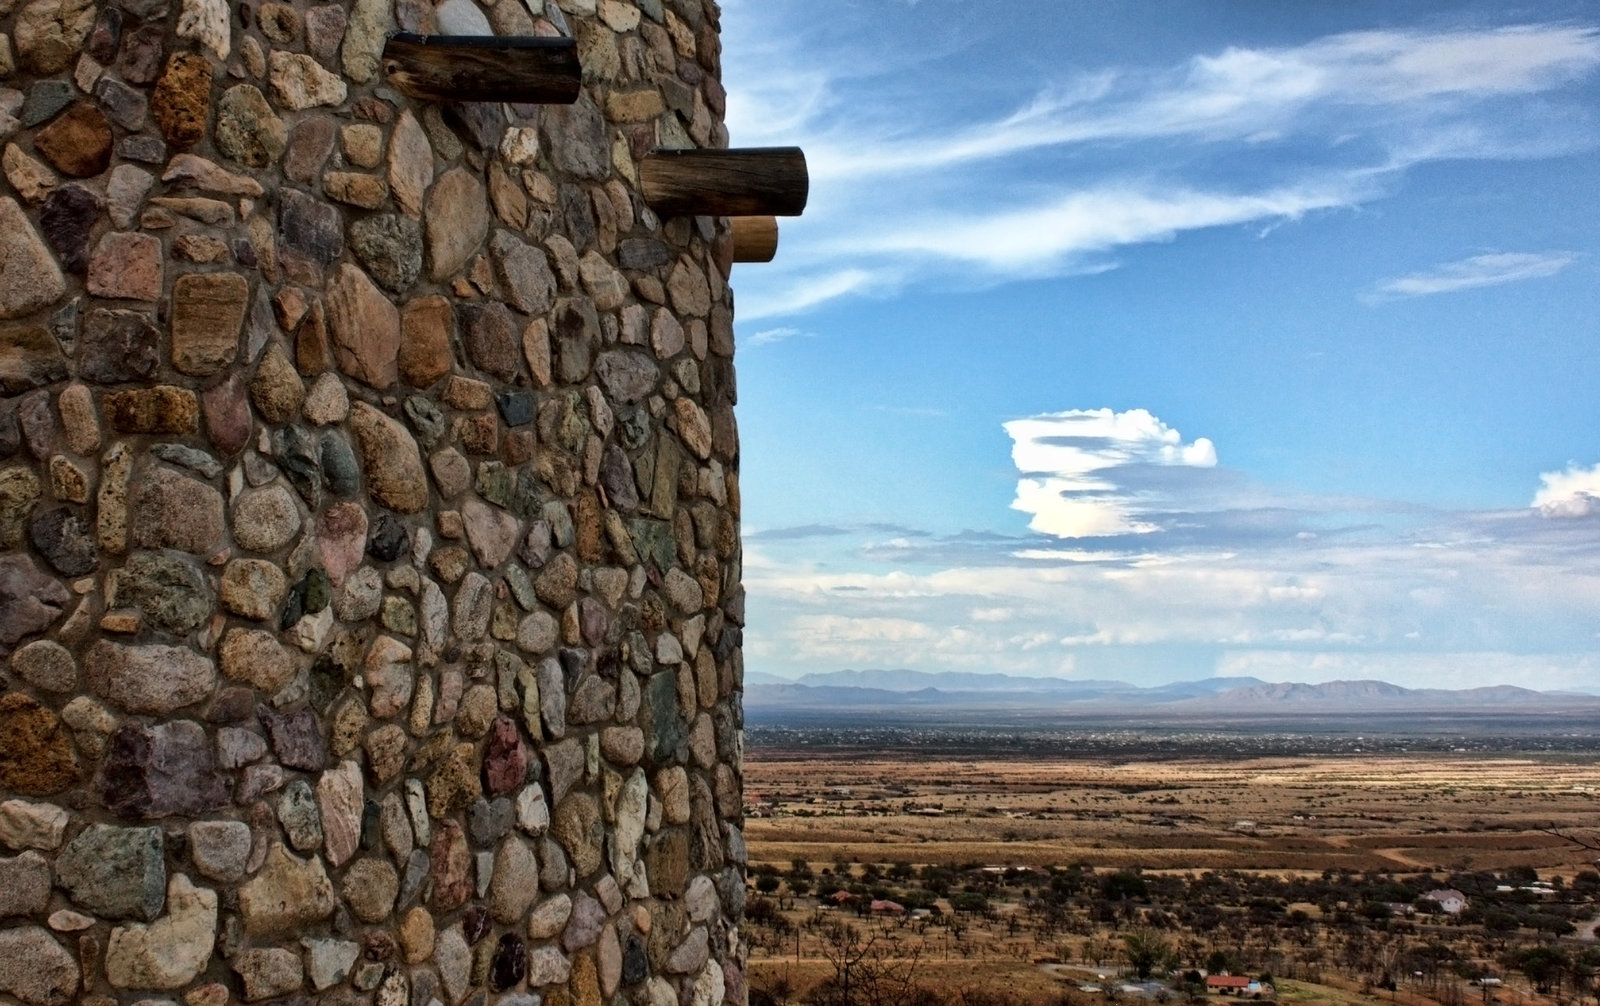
point(768, 336)
point(1113, 157)
point(1478, 271)
point(1242, 94)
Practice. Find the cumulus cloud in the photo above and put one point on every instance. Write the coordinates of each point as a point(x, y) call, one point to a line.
point(1574, 492)
point(1070, 464)
point(1169, 571)
point(1478, 271)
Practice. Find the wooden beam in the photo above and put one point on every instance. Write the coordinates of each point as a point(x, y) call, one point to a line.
point(755, 239)
point(525, 69)
point(752, 182)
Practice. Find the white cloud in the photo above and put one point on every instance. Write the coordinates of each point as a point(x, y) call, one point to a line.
point(1571, 493)
point(1037, 239)
point(1068, 463)
point(906, 194)
point(767, 336)
point(807, 292)
point(1240, 94)
point(1478, 271)
point(1480, 607)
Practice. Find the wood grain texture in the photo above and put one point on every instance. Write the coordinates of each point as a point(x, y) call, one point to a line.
point(750, 182)
point(755, 239)
point(522, 68)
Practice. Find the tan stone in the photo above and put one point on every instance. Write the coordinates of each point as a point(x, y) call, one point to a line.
point(286, 895)
point(208, 311)
point(356, 189)
point(457, 221)
point(257, 659)
point(410, 164)
point(49, 33)
point(426, 327)
point(79, 419)
point(634, 106)
point(29, 276)
point(390, 460)
point(417, 935)
point(32, 179)
point(161, 409)
point(276, 388)
point(365, 326)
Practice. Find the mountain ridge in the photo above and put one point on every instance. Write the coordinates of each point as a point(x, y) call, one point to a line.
point(907, 689)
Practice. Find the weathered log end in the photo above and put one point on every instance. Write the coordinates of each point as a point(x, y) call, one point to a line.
point(755, 239)
point(751, 182)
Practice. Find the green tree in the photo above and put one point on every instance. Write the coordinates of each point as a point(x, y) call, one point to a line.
point(1543, 965)
point(1147, 951)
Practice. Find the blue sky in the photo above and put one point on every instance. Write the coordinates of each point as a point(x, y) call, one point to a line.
point(1166, 339)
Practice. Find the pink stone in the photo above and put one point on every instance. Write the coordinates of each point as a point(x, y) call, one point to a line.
point(341, 539)
point(505, 760)
point(126, 266)
point(340, 797)
point(450, 867)
point(227, 412)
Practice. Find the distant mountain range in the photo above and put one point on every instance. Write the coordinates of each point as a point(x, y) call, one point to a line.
point(905, 691)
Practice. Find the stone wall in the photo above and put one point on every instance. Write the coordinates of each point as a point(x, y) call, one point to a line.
point(369, 558)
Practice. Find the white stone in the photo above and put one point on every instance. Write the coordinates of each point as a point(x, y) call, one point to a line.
point(454, 958)
point(709, 988)
point(25, 825)
point(206, 21)
point(328, 962)
point(533, 813)
point(170, 952)
point(668, 650)
point(299, 83)
point(701, 899)
point(633, 800)
point(520, 145)
point(547, 965)
point(67, 921)
point(461, 17)
point(417, 809)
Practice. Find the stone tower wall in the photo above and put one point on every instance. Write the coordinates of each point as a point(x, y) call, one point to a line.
point(369, 557)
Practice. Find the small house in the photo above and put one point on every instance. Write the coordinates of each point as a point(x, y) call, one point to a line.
point(1228, 984)
point(1449, 900)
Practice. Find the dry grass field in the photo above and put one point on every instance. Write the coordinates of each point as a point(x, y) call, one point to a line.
point(845, 812)
point(1411, 813)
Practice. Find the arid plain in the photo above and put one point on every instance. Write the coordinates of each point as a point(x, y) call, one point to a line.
point(859, 817)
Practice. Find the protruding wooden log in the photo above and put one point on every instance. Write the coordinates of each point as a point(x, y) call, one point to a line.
point(753, 182)
point(755, 239)
point(526, 69)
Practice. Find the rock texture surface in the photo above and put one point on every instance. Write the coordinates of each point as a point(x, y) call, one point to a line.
point(370, 614)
